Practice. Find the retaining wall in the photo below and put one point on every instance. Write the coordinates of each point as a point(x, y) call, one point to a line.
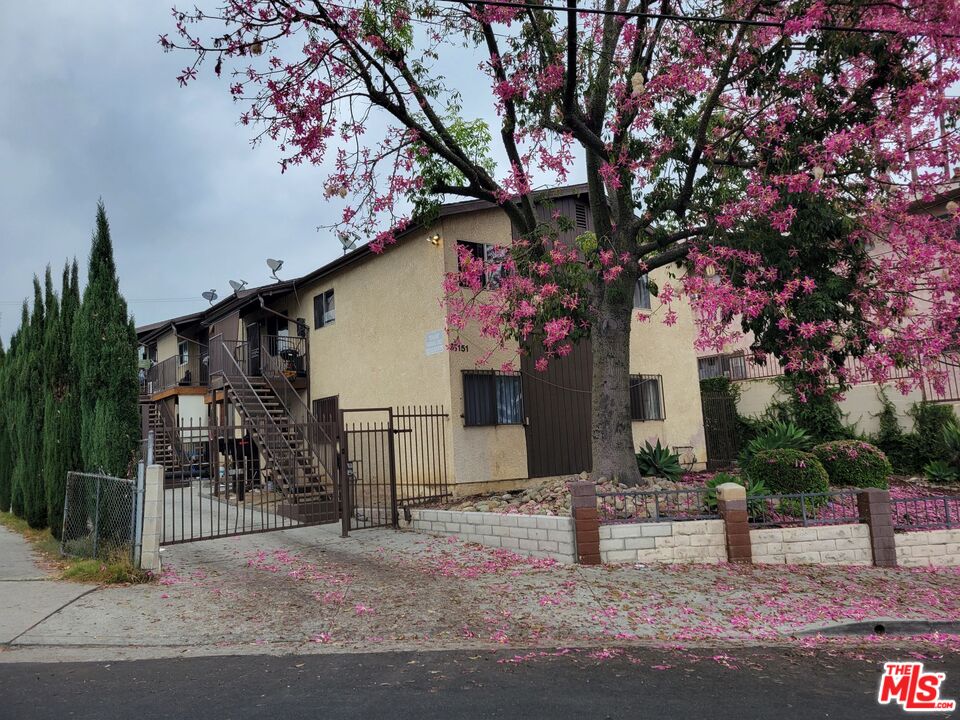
point(669, 542)
point(928, 547)
point(536, 535)
point(824, 545)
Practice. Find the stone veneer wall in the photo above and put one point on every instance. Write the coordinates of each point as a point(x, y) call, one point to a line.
point(670, 542)
point(928, 547)
point(536, 535)
point(824, 545)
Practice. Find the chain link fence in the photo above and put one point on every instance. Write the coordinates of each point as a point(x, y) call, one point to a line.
point(101, 517)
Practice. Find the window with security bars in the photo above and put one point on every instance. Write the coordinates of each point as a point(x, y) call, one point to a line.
point(491, 398)
point(646, 397)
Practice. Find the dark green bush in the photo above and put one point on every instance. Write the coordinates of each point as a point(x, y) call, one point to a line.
point(854, 463)
point(788, 471)
point(929, 421)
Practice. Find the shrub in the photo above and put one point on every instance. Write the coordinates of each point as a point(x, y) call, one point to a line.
point(939, 471)
point(658, 461)
point(754, 488)
point(854, 462)
point(778, 435)
point(788, 471)
point(929, 421)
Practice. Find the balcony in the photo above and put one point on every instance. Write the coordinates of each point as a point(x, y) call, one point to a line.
point(168, 376)
point(290, 354)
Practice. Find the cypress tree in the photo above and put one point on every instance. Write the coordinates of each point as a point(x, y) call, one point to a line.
point(30, 430)
point(57, 433)
point(62, 418)
point(19, 412)
point(105, 351)
point(6, 459)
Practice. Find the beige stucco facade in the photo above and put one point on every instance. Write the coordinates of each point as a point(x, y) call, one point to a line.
point(667, 350)
point(387, 347)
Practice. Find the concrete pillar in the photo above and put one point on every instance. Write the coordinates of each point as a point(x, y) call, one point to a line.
point(152, 519)
point(874, 507)
point(586, 521)
point(732, 505)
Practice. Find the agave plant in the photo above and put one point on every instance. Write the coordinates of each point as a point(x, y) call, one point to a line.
point(779, 435)
point(658, 461)
point(940, 471)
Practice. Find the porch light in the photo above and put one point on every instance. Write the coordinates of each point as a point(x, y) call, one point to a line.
point(434, 240)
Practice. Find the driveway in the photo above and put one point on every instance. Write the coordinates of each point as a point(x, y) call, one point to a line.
point(309, 590)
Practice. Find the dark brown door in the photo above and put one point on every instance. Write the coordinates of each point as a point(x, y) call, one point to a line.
point(253, 349)
point(556, 404)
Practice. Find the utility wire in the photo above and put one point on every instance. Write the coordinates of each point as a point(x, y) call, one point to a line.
point(716, 19)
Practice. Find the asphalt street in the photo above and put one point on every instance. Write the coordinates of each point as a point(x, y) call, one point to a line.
point(757, 683)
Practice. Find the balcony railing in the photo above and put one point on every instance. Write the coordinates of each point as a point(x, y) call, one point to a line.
point(747, 366)
point(172, 373)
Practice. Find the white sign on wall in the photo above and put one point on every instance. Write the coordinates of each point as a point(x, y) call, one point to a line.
point(435, 343)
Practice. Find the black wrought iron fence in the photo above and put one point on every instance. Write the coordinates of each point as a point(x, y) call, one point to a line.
point(655, 506)
point(925, 513)
point(836, 507)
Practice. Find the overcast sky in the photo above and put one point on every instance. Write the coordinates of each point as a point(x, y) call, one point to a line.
point(91, 108)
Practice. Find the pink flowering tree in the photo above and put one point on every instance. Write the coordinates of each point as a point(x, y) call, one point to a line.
point(758, 150)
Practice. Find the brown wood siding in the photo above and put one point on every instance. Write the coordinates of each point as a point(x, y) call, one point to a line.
point(557, 408)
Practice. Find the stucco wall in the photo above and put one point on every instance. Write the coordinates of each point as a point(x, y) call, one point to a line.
point(658, 349)
point(192, 414)
point(861, 404)
point(534, 535)
point(480, 454)
point(166, 346)
point(835, 545)
point(928, 547)
point(374, 355)
point(701, 541)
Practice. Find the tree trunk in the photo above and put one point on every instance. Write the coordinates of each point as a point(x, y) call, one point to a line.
point(614, 456)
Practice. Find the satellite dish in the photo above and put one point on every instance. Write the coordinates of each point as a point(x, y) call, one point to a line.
point(274, 265)
point(238, 286)
point(210, 296)
point(347, 241)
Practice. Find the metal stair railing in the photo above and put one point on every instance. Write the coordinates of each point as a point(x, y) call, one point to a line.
point(309, 431)
point(170, 431)
point(265, 425)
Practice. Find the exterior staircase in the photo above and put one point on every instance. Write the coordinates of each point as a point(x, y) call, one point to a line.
point(297, 473)
point(166, 445)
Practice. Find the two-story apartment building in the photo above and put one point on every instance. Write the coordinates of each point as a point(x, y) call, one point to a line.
point(368, 331)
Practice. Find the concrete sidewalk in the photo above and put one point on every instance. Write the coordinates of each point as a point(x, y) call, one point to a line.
point(309, 590)
point(27, 594)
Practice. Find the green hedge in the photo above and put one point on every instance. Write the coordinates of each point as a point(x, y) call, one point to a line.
point(854, 462)
point(788, 471)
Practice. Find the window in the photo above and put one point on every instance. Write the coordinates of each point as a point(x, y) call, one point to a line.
point(641, 293)
point(324, 309)
point(646, 398)
point(728, 366)
point(183, 352)
point(492, 398)
point(490, 254)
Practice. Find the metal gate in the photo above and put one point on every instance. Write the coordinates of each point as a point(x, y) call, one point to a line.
point(223, 480)
point(391, 459)
point(720, 429)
